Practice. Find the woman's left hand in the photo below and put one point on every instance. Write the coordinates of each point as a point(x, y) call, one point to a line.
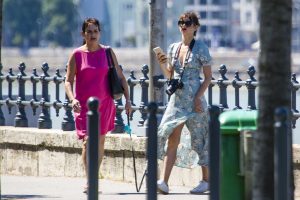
point(128, 107)
point(198, 104)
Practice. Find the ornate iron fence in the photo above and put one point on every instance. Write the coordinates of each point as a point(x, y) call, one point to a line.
point(24, 99)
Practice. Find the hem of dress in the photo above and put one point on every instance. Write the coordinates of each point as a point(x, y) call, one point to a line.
point(82, 136)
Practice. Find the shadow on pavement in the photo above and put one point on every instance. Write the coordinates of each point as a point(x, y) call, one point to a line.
point(179, 193)
point(143, 193)
point(126, 193)
point(20, 197)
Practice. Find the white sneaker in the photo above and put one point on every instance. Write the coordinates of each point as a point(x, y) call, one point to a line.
point(202, 187)
point(162, 187)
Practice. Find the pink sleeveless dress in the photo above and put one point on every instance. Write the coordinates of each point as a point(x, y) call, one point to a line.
point(92, 80)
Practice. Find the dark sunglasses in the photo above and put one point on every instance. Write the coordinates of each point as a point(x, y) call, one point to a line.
point(187, 23)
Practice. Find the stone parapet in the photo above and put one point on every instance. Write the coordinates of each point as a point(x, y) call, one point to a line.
point(49, 152)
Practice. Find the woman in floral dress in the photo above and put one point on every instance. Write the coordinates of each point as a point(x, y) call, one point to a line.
point(187, 106)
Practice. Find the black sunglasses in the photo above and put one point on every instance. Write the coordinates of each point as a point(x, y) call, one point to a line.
point(187, 23)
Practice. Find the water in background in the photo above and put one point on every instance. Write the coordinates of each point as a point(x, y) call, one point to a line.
point(56, 121)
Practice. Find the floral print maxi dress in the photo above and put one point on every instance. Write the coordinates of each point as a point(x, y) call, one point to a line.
point(193, 147)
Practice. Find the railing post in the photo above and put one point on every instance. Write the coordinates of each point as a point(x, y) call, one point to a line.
point(214, 153)
point(57, 80)
point(237, 90)
point(282, 155)
point(34, 79)
point(119, 122)
point(21, 119)
point(144, 95)
point(68, 123)
point(251, 88)
point(294, 98)
point(152, 152)
point(210, 94)
point(131, 90)
point(10, 80)
point(93, 145)
point(44, 121)
point(2, 120)
point(223, 87)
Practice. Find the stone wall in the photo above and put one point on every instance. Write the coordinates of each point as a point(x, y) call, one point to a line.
point(49, 152)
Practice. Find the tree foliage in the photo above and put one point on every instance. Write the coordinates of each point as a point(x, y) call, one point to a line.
point(60, 21)
point(20, 21)
point(32, 22)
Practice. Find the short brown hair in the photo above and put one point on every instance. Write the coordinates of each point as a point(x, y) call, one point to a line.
point(192, 16)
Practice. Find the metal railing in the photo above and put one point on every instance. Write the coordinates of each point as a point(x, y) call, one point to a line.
point(26, 99)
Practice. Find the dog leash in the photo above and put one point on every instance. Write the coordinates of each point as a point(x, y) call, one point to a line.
point(128, 131)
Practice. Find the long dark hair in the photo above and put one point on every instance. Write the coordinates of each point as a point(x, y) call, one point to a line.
point(88, 21)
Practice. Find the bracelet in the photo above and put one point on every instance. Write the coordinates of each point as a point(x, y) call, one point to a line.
point(128, 101)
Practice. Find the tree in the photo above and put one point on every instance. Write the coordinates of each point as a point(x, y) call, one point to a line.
point(60, 21)
point(274, 71)
point(28, 22)
point(20, 21)
point(157, 38)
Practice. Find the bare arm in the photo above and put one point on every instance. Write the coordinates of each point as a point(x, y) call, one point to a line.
point(207, 79)
point(70, 76)
point(123, 81)
point(206, 82)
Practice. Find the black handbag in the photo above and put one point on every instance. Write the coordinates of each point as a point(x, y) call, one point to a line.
point(114, 82)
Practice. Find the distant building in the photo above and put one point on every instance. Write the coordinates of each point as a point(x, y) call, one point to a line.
point(174, 9)
point(245, 32)
point(236, 22)
point(296, 26)
point(98, 9)
point(142, 23)
point(123, 22)
point(224, 23)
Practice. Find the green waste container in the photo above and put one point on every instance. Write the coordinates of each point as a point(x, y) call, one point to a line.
point(235, 126)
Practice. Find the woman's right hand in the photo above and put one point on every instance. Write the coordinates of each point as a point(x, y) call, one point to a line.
point(76, 106)
point(162, 58)
point(198, 104)
point(163, 62)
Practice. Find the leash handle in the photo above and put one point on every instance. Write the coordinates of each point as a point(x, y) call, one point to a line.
point(128, 120)
point(127, 127)
point(137, 187)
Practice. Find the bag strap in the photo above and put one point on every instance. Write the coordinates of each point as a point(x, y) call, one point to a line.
point(109, 58)
point(176, 58)
point(186, 57)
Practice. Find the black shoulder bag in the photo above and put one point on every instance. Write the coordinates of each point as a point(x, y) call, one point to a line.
point(116, 88)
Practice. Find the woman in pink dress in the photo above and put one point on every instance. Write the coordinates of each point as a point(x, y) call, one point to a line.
point(88, 68)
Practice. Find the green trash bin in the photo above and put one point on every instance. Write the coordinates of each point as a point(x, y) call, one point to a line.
point(233, 146)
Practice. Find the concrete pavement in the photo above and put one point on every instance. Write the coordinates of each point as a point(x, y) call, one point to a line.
point(50, 188)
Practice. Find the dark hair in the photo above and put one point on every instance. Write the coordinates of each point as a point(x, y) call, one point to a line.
point(88, 21)
point(192, 16)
